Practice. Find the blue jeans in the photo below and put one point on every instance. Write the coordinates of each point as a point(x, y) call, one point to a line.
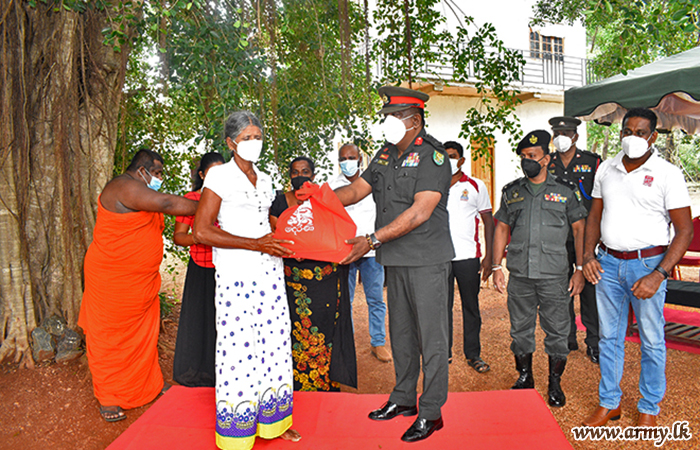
point(614, 294)
point(373, 284)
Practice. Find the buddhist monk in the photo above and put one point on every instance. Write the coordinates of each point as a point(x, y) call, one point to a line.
point(120, 311)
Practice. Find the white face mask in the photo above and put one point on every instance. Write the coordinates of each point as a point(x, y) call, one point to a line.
point(634, 146)
point(394, 129)
point(562, 143)
point(249, 150)
point(454, 163)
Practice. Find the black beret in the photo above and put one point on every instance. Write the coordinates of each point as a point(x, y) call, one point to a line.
point(396, 98)
point(564, 123)
point(537, 138)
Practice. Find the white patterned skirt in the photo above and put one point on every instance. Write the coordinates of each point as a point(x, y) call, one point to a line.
point(253, 356)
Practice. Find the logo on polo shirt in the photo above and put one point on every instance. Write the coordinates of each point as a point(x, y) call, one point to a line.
point(465, 195)
point(648, 179)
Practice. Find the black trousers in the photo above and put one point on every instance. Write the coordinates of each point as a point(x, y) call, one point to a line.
point(417, 300)
point(589, 308)
point(466, 272)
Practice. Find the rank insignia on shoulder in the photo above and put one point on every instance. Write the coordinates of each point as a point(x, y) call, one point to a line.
point(552, 171)
point(554, 197)
point(384, 156)
point(385, 149)
point(383, 162)
point(438, 158)
point(411, 160)
point(515, 200)
point(419, 141)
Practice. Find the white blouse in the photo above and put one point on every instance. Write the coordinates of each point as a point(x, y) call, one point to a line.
point(244, 212)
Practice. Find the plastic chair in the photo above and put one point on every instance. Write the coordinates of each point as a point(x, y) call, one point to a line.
point(690, 260)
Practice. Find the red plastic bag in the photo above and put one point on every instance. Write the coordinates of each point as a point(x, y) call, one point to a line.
point(318, 227)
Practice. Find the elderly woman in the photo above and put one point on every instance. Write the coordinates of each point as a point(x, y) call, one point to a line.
point(323, 346)
point(253, 349)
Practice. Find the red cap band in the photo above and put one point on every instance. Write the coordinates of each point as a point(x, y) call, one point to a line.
point(406, 100)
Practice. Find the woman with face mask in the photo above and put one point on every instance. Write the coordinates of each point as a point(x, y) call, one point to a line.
point(193, 364)
point(253, 351)
point(319, 306)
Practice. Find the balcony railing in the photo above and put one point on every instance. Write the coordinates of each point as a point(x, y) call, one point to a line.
point(543, 69)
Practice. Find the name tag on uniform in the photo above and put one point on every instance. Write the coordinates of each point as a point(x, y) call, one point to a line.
point(584, 168)
point(558, 198)
point(411, 160)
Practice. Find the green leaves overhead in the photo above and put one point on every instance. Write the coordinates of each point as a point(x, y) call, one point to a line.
point(625, 34)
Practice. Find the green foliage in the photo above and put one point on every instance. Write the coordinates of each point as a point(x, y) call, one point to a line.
point(625, 34)
point(411, 46)
point(484, 57)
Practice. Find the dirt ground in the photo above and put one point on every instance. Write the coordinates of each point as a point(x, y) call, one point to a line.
point(53, 406)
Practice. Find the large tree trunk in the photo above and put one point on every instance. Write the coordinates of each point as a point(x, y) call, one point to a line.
point(60, 97)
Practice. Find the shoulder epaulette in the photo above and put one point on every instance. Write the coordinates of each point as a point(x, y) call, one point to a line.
point(587, 153)
point(434, 142)
point(511, 184)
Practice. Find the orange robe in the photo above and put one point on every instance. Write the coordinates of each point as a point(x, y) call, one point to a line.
point(120, 312)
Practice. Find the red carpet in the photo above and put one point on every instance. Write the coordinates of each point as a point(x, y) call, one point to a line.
point(184, 419)
point(671, 315)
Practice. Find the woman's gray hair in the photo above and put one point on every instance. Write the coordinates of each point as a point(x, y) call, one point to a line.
point(238, 121)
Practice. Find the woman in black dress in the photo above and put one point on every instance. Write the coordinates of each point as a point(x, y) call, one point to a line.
point(323, 347)
point(193, 365)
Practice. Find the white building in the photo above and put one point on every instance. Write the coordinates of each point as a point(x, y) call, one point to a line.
point(555, 61)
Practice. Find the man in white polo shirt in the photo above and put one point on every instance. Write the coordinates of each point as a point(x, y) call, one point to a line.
point(468, 201)
point(363, 214)
point(635, 196)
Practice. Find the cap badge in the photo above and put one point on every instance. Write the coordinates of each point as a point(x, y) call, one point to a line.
point(385, 99)
point(533, 139)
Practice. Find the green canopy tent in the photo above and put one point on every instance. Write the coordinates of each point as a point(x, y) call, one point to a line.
point(670, 87)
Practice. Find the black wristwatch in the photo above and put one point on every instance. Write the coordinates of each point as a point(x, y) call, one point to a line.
point(662, 271)
point(373, 242)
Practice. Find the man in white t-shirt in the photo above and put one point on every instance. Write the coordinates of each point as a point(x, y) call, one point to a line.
point(363, 214)
point(635, 197)
point(467, 203)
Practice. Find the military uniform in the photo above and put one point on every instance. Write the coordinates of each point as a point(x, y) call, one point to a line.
point(537, 260)
point(580, 171)
point(417, 267)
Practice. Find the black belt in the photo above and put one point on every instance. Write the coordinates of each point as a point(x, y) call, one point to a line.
point(635, 254)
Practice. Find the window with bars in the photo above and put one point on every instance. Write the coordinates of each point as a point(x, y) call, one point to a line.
point(546, 47)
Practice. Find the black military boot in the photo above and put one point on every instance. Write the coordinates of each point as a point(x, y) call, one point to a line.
point(523, 364)
point(556, 369)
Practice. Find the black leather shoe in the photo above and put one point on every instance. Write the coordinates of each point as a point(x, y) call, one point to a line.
point(593, 355)
point(421, 429)
point(391, 410)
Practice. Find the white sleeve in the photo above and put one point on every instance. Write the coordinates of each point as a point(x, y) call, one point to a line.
point(676, 192)
point(483, 200)
point(216, 180)
point(598, 180)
